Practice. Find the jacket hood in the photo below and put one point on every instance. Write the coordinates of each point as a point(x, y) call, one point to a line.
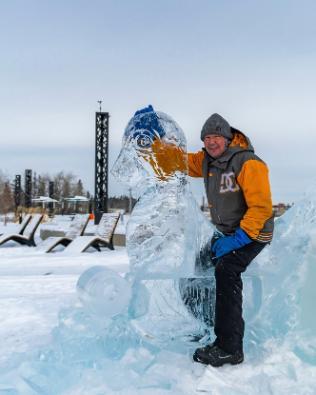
point(240, 141)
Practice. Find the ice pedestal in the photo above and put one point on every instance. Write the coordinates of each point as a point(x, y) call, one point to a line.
point(164, 318)
point(162, 312)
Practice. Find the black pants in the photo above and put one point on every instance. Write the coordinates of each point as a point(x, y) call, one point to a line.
point(229, 325)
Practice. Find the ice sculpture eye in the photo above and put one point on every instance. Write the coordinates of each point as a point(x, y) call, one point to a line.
point(144, 139)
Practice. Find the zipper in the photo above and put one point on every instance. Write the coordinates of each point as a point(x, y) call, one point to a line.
point(216, 189)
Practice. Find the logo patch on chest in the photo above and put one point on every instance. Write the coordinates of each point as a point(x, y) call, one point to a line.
point(228, 183)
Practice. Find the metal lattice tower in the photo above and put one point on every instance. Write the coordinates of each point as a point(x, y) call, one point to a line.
point(17, 191)
point(51, 189)
point(51, 194)
point(101, 164)
point(28, 188)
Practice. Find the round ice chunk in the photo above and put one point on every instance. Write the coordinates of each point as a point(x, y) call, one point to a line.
point(103, 292)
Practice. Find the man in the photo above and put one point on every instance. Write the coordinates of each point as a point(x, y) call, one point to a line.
point(239, 197)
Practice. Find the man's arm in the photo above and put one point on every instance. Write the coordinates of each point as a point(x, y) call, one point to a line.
point(195, 164)
point(254, 182)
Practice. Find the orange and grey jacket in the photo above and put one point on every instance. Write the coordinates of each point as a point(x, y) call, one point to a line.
point(237, 187)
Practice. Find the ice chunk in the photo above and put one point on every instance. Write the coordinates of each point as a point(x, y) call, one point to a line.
point(103, 292)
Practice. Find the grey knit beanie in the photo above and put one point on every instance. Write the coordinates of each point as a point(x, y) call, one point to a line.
point(216, 124)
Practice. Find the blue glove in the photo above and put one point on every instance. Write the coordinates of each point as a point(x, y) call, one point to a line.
point(226, 244)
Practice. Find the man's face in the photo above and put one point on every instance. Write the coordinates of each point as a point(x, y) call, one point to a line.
point(215, 145)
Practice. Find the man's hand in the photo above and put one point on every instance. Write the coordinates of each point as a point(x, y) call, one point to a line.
point(226, 244)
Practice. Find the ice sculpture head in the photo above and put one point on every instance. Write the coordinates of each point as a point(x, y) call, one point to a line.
point(153, 150)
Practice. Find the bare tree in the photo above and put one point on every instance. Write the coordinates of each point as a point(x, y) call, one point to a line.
point(6, 199)
point(65, 185)
point(78, 189)
point(35, 185)
point(58, 184)
point(3, 180)
point(69, 180)
point(41, 191)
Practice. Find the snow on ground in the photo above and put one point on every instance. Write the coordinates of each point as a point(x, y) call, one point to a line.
point(34, 286)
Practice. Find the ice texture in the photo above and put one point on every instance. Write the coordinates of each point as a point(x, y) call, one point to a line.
point(288, 274)
point(131, 334)
point(103, 292)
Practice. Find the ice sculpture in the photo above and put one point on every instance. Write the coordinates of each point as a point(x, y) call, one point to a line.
point(287, 271)
point(165, 234)
point(166, 231)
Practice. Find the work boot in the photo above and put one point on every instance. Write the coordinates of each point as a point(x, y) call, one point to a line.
point(202, 351)
point(216, 357)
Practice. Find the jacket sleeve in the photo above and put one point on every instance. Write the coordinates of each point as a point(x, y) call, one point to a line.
point(195, 164)
point(253, 179)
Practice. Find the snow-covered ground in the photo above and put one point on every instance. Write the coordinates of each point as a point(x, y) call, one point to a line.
point(35, 287)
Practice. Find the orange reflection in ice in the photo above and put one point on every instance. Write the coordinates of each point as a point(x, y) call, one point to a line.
point(165, 159)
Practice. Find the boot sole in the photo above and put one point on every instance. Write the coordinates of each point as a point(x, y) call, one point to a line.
point(196, 358)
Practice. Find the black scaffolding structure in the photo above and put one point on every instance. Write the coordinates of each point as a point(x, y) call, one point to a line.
point(51, 194)
point(101, 164)
point(28, 188)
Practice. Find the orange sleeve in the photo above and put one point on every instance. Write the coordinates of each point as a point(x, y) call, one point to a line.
point(195, 164)
point(253, 179)
point(166, 159)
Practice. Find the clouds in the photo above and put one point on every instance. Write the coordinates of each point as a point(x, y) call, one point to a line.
point(253, 62)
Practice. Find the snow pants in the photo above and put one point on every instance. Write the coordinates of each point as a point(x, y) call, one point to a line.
point(229, 324)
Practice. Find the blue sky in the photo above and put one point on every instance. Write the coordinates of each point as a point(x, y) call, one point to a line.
point(253, 62)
